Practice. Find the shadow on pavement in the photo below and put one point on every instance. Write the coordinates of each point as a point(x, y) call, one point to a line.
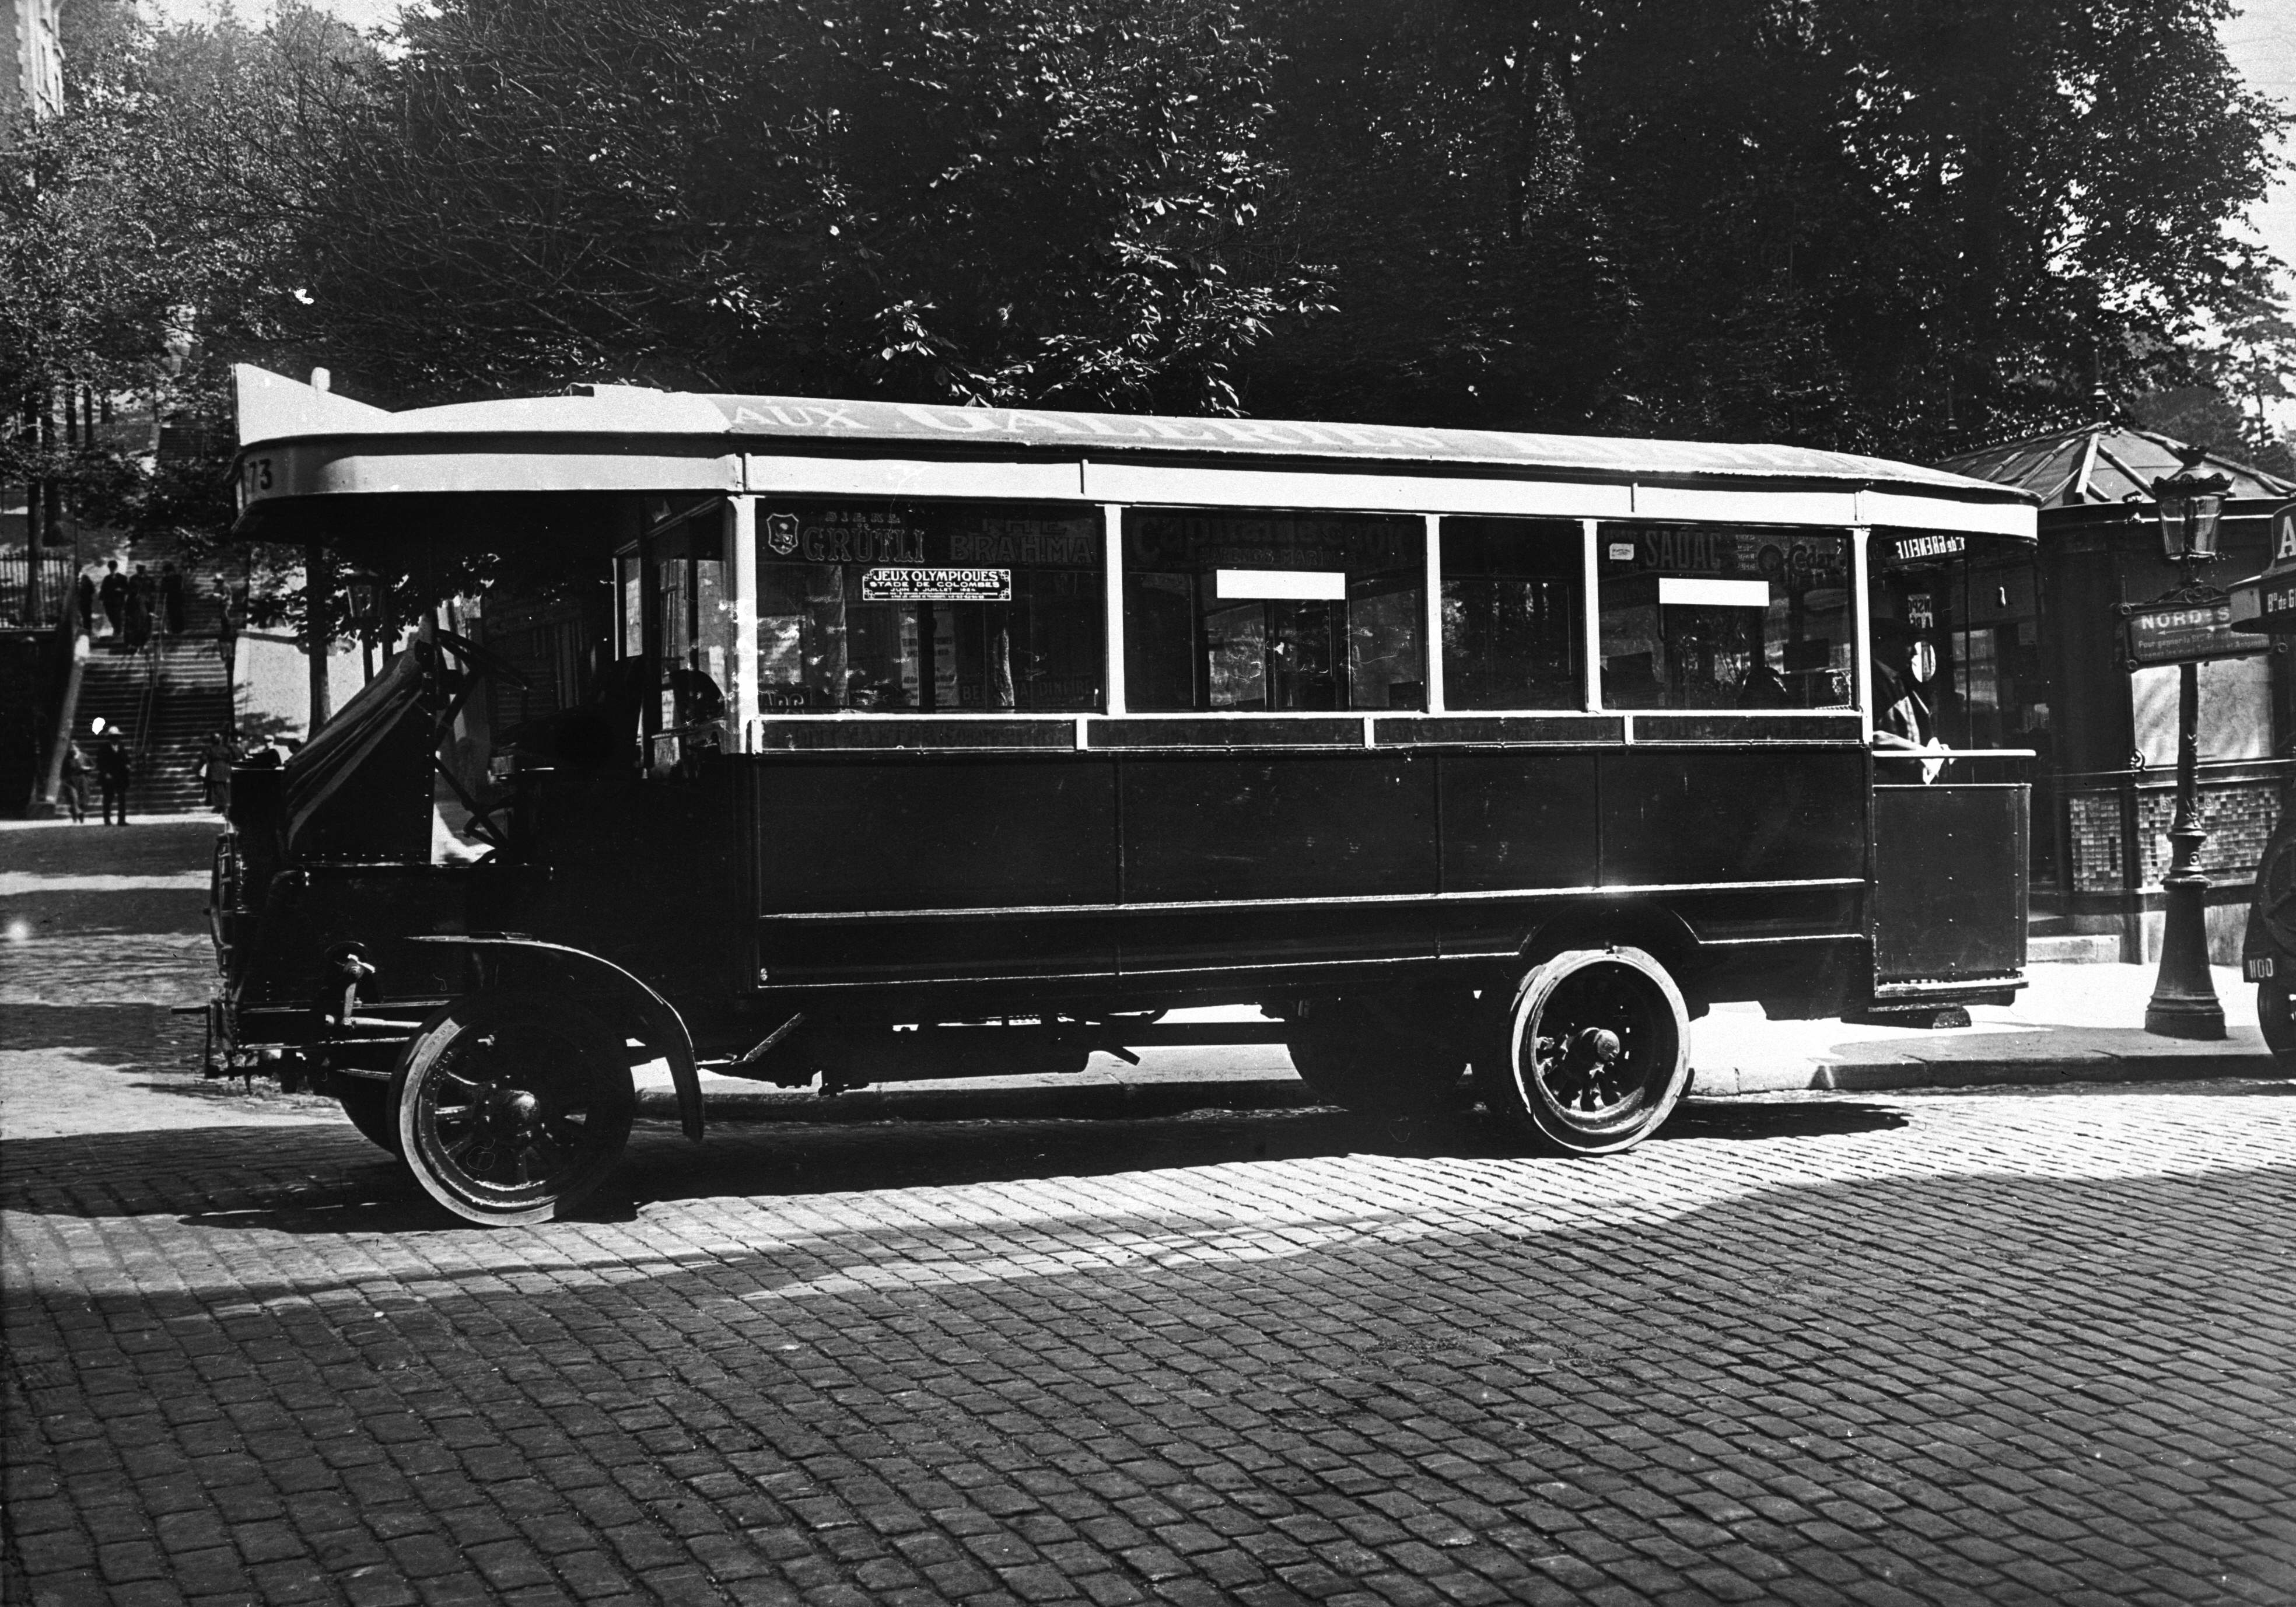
point(2115, 1344)
point(148, 1049)
point(140, 1034)
point(136, 911)
point(327, 1180)
point(164, 846)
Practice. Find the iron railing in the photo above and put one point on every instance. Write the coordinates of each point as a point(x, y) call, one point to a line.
point(58, 576)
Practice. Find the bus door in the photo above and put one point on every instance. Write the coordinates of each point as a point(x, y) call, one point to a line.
point(677, 617)
point(1960, 712)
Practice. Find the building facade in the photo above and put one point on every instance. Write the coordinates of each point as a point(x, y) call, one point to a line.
point(31, 63)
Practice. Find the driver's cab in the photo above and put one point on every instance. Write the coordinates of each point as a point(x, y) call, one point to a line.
point(675, 626)
point(1960, 706)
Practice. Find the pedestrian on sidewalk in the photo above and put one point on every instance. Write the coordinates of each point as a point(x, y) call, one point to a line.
point(215, 771)
point(114, 593)
point(76, 769)
point(171, 601)
point(113, 771)
point(84, 594)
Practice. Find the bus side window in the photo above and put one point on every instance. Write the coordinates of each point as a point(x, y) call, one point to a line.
point(934, 608)
point(1725, 616)
point(678, 616)
point(631, 607)
point(1512, 632)
point(1273, 611)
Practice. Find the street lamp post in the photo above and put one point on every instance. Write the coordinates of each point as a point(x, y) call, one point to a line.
point(2183, 1003)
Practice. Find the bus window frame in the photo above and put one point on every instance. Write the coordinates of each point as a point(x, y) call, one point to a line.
point(1589, 620)
point(1429, 650)
point(742, 563)
point(1853, 536)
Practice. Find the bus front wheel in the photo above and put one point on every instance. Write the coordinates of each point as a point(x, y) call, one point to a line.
point(1596, 1052)
point(513, 1106)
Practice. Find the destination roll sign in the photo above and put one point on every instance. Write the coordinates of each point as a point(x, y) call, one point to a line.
point(2267, 602)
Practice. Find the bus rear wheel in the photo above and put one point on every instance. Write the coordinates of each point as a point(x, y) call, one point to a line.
point(1377, 1057)
point(1597, 1052)
point(513, 1106)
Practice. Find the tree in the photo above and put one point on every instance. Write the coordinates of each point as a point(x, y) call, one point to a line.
point(1898, 226)
point(89, 289)
point(2253, 365)
point(954, 200)
point(1894, 224)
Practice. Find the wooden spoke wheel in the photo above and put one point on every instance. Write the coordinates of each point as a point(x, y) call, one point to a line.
point(1597, 1052)
point(513, 1106)
point(1379, 1057)
point(369, 1107)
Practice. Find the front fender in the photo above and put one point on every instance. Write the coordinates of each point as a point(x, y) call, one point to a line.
point(2270, 927)
point(650, 1018)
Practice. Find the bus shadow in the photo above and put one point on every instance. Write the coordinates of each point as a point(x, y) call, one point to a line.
point(327, 1180)
point(765, 1158)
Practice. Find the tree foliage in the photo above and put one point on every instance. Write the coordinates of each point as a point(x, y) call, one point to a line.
point(132, 268)
point(966, 200)
point(1897, 226)
point(1894, 224)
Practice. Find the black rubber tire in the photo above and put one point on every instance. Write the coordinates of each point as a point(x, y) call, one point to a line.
point(1379, 1057)
point(1555, 1083)
point(513, 1106)
point(2275, 1016)
point(368, 1105)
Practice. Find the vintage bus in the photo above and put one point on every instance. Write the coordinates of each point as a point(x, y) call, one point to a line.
point(930, 742)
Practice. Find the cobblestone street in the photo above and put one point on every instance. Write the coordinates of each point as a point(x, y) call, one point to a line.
point(1980, 1347)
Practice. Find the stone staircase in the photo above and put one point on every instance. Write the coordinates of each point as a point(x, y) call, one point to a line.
point(169, 697)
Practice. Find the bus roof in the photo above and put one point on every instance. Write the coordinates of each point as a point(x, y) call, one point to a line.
point(506, 441)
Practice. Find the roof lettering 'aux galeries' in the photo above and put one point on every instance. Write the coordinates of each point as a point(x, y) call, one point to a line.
point(300, 442)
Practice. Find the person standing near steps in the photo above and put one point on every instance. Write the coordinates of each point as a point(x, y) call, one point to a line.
point(215, 756)
point(113, 592)
point(171, 600)
point(113, 772)
point(75, 781)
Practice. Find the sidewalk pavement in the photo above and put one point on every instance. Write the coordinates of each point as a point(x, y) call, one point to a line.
point(2071, 1024)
